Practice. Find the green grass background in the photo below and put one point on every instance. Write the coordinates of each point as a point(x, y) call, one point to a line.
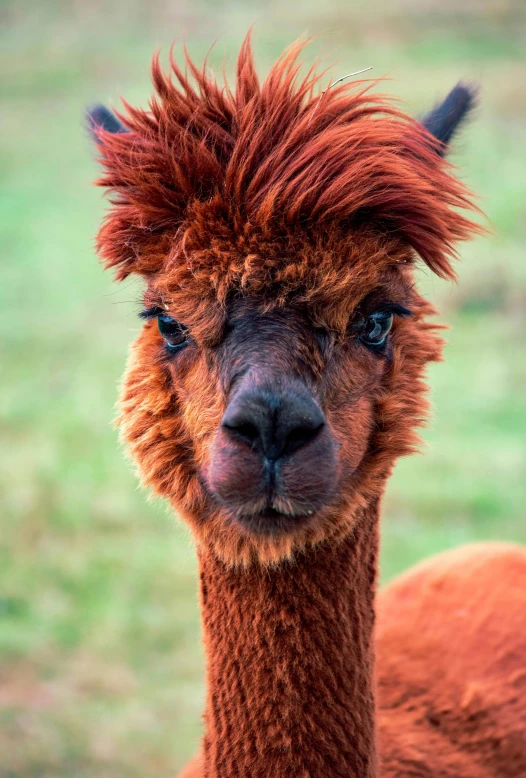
point(101, 664)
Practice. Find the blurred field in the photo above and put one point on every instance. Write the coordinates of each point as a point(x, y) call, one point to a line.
point(101, 668)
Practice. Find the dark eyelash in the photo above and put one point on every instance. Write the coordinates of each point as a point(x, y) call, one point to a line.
point(394, 308)
point(151, 313)
point(384, 308)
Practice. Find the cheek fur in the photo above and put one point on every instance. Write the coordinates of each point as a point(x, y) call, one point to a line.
point(352, 386)
point(201, 402)
point(352, 427)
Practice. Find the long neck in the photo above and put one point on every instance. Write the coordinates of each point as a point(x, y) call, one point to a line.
point(290, 663)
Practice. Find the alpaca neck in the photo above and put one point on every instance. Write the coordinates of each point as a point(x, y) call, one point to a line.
point(290, 663)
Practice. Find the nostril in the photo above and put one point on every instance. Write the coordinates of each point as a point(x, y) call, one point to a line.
point(243, 429)
point(300, 436)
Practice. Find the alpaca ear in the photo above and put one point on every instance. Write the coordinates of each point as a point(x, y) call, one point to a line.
point(120, 236)
point(99, 117)
point(446, 118)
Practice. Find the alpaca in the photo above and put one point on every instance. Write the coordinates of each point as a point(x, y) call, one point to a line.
point(277, 378)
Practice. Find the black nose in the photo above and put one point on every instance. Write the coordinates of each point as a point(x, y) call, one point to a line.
point(277, 423)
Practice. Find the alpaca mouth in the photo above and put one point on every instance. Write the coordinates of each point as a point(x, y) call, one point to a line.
point(271, 521)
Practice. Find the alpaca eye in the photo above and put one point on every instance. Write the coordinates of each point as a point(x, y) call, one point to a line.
point(375, 329)
point(175, 334)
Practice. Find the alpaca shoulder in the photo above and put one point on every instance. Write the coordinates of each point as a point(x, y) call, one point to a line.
point(451, 643)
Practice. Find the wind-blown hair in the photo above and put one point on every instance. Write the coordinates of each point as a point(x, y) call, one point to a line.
point(263, 162)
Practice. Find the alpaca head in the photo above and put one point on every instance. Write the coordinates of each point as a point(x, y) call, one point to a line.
point(278, 374)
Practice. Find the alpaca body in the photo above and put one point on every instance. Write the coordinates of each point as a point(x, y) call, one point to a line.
point(445, 708)
point(451, 666)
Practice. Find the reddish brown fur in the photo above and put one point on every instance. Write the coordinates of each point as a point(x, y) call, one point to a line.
point(451, 651)
point(287, 651)
point(274, 201)
point(451, 678)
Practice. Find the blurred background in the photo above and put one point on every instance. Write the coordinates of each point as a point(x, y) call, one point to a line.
point(101, 664)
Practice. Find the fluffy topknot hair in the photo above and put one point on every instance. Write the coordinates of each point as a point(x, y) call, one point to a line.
point(272, 159)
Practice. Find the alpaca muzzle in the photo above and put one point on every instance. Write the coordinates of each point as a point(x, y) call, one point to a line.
point(273, 464)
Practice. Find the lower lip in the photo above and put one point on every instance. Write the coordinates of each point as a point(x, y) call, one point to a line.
point(271, 522)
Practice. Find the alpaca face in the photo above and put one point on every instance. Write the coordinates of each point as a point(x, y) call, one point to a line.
point(279, 372)
point(268, 425)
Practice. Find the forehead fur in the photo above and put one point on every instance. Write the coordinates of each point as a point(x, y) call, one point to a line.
point(271, 188)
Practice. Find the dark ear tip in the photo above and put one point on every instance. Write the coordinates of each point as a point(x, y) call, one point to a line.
point(445, 119)
point(465, 95)
point(100, 117)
